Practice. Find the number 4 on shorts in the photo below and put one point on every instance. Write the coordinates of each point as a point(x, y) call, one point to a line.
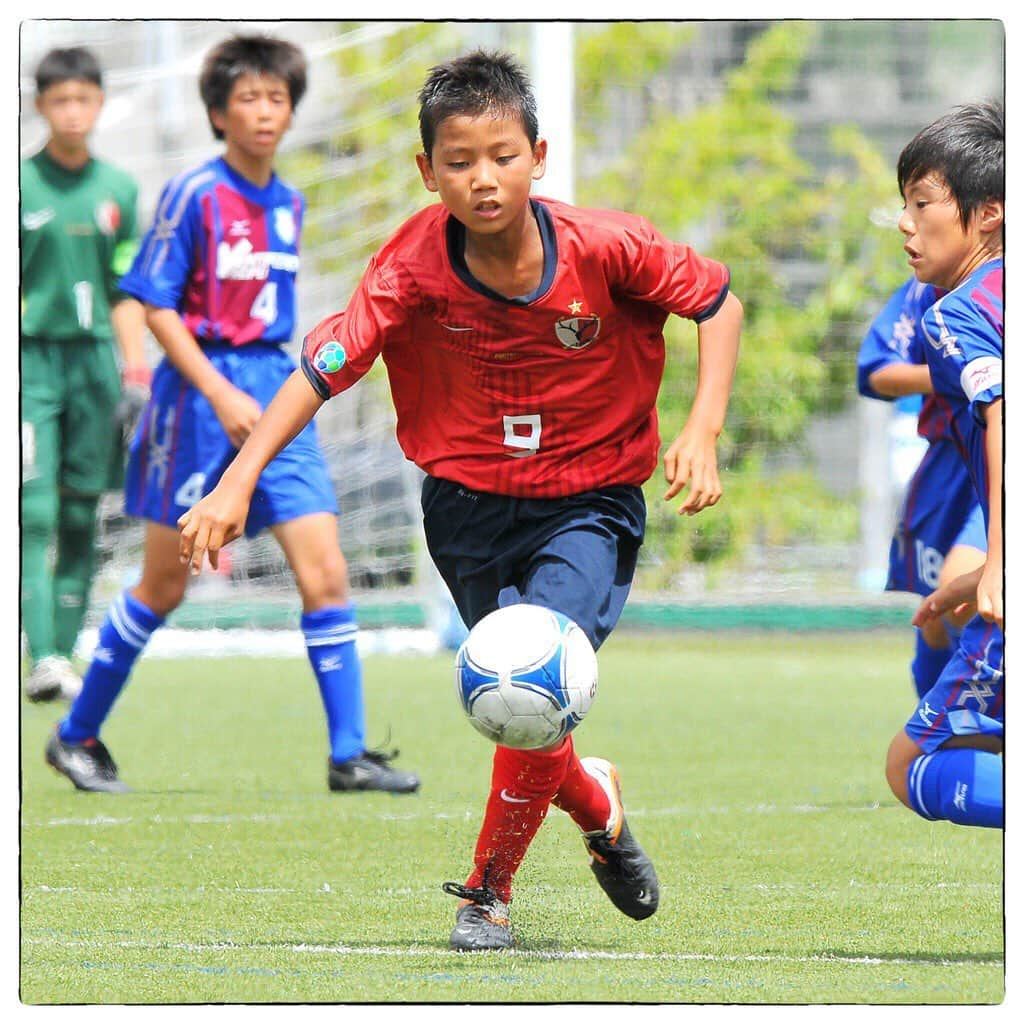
point(190, 491)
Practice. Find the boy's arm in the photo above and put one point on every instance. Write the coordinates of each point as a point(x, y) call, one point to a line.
point(990, 587)
point(237, 411)
point(128, 318)
point(220, 517)
point(692, 456)
point(898, 379)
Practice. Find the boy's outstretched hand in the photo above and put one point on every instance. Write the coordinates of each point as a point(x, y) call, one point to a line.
point(211, 523)
point(983, 586)
point(953, 596)
point(692, 457)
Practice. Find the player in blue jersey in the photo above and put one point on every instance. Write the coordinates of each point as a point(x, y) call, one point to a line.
point(946, 763)
point(216, 273)
point(941, 532)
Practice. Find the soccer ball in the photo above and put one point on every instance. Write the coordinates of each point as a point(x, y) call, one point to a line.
point(526, 676)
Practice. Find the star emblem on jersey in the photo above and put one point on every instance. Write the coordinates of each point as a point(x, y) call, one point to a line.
point(330, 358)
point(578, 331)
point(575, 307)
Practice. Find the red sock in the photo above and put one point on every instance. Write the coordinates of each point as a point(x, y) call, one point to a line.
point(522, 785)
point(582, 797)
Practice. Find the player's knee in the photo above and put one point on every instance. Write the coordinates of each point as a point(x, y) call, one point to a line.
point(324, 581)
point(78, 516)
point(901, 753)
point(161, 591)
point(38, 511)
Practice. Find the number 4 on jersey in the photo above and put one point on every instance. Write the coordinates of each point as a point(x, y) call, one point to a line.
point(265, 305)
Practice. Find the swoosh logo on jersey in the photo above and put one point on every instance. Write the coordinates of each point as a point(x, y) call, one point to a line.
point(509, 799)
point(34, 221)
point(448, 327)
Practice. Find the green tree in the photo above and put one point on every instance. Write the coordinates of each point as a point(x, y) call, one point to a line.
point(729, 174)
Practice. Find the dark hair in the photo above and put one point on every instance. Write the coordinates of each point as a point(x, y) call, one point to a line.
point(69, 65)
point(249, 55)
point(965, 147)
point(477, 83)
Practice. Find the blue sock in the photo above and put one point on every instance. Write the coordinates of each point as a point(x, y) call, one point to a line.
point(962, 785)
point(123, 635)
point(331, 645)
point(928, 664)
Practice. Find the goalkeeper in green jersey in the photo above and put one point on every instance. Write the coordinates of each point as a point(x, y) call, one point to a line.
point(77, 236)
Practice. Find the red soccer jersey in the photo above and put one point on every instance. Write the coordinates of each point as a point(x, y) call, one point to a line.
point(540, 396)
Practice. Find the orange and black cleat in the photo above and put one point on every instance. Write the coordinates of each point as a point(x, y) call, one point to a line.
point(481, 921)
point(619, 863)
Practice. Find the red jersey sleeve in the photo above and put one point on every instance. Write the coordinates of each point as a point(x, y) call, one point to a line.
point(649, 267)
point(342, 348)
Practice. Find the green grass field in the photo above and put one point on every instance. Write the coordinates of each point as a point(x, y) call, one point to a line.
point(753, 776)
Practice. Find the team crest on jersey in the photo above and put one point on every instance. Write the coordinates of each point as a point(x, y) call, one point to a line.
point(578, 331)
point(108, 217)
point(284, 224)
point(330, 358)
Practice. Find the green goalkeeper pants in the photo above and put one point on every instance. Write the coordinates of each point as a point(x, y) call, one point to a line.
point(70, 454)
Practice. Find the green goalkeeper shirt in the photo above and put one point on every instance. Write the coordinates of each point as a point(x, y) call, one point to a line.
point(78, 236)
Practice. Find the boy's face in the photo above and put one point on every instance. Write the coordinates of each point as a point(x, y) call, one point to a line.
point(941, 251)
point(482, 168)
point(70, 108)
point(258, 113)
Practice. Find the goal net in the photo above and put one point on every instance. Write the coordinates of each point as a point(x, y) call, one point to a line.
point(740, 138)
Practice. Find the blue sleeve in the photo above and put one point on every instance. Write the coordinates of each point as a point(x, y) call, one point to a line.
point(971, 360)
point(894, 336)
point(163, 264)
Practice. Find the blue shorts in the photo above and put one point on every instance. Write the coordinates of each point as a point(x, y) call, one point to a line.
point(575, 555)
point(180, 449)
point(940, 511)
point(967, 699)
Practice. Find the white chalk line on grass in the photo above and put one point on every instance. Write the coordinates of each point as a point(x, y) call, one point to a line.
point(525, 954)
point(276, 819)
point(808, 888)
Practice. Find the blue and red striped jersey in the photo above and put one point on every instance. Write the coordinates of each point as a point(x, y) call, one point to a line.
point(963, 333)
point(224, 253)
point(896, 335)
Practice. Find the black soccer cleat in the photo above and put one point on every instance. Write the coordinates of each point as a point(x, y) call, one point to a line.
point(619, 864)
point(88, 765)
point(481, 922)
point(370, 770)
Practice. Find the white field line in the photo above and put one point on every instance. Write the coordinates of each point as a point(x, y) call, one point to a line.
point(808, 888)
point(524, 954)
point(216, 819)
point(265, 643)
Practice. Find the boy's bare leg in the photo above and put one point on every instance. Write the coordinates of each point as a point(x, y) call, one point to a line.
point(310, 543)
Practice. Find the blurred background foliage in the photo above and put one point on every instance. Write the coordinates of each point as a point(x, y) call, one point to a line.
point(728, 176)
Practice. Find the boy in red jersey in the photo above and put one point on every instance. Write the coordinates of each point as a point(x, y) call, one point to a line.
point(523, 343)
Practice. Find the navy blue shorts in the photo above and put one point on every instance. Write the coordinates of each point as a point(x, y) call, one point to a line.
point(575, 555)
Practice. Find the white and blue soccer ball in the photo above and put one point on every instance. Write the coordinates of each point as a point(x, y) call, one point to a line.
point(526, 676)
